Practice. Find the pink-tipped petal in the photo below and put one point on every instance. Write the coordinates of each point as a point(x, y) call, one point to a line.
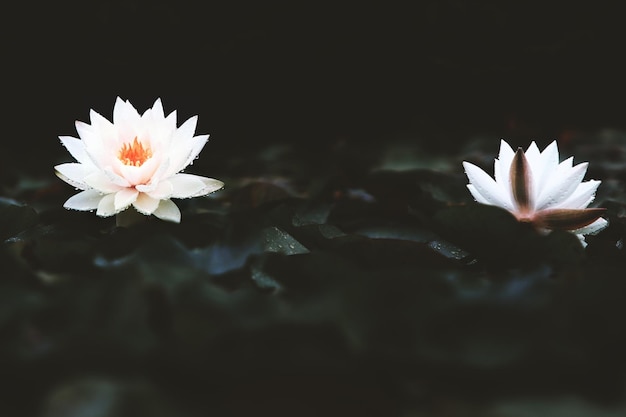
point(593, 228)
point(567, 219)
point(521, 182)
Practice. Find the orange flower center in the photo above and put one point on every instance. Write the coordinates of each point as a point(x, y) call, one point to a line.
point(134, 153)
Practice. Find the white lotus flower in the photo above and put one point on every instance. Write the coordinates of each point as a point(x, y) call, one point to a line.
point(537, 189)
point(136, 160)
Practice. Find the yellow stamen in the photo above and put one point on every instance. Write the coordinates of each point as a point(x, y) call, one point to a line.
point(134, 153)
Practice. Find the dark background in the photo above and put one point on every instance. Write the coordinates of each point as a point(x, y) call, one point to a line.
point(335, 83)
point(314, 73)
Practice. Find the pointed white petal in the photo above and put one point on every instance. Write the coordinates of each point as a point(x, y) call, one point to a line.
point(186, 185)
point(106, 207)
point(74, 174)
point(210, 185)
point(124, 112)
point(551, 153)
point(477, 196)
point(568, 163)
point(116, 178)
point(99, 122)
point(145, 204)
point(502, 165)
point(187, 129)
point(487, 187)
point(157, 109)
point(160, 169)
point(91, 139)
point(582, 196)
point(136, 175)
point(198, 144)
point(545, 168)
point(124, 198)
point(162, 191)
point(101, 182)
point(561, 185)
point(76, 148)
point(99, 142)
point(532, 155)
point(169, 211)
point(506, 152)
point(84, 201)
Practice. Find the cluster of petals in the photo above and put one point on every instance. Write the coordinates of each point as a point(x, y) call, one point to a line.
point(135, 160)
point(538, 189)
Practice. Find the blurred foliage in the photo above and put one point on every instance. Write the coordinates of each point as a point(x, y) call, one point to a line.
point(347, 282)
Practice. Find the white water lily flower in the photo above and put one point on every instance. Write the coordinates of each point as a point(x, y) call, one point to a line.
point(537, 189)
point(134, 161)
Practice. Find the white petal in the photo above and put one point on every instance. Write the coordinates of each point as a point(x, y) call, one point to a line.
point(162, 191)
point(545, 168)
point(124, 112)
point(137, 175)
point(102, 182)
point(487, 187)
point(92, 141)
point(561, 185)
point(187, 129)
point(582, 196)
point(106, 207)
point(116, 178)
point(157, 109)
point(74, 174)
point(124, 198)
point(198, 144)
point(84, 201)
point(532, 155)
point(99, 142)
point(593, 228)
point(145, 204)
point(477, 196)
point(502, 165)
point(186, 185)
point(99, 122)
point(210, 185)
point(76, 148)
point(169, 211)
